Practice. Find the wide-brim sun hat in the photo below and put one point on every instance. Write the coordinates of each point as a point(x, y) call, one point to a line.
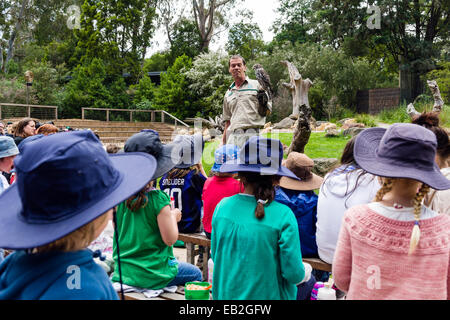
point(301, 165)
point(8, 147)
point(404, 150)
point(261, 155)
point(191, 148)
point(65, 181)
point(167, 155)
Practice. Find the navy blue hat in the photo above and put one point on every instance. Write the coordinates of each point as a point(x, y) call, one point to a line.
point(65, 181)
point(167, 155)
point(191, 149)
point(260, 155)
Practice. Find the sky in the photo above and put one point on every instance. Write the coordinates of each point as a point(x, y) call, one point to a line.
point(263, 14)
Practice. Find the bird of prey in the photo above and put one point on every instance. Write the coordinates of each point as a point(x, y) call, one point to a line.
point(263, 78)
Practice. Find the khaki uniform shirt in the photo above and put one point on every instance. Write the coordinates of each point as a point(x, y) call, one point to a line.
point(240, 106)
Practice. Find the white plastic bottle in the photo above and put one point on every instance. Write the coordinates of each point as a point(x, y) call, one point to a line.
point(210, 270)
point(326, 292)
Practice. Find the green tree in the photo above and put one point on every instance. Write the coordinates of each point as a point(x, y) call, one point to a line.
point(144, 90)
point(157, 62)
point(174, 95)
point(245, 38)
point(184, 39)
point(86, 89)
point(118, 32)
point(209, 79)
point(293, 22)
point(410, 31)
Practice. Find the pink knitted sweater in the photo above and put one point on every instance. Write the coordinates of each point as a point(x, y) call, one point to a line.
point(371, 259)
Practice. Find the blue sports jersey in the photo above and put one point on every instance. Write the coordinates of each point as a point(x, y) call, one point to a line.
point(187, 193)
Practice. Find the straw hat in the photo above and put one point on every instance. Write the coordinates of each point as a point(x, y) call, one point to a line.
point(301, 165)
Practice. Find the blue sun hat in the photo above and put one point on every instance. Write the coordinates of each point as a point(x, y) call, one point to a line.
point(260, 155)
point(224, 153)
point(65, 181)
point(7, 147)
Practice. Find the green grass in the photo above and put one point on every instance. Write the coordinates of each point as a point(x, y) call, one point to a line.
point(318, 146)
point(399, 114)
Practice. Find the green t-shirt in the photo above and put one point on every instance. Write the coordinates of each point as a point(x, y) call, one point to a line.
point(255, 259)
point(146, 261)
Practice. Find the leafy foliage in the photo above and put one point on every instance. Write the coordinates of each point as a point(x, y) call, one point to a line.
point(209, 79)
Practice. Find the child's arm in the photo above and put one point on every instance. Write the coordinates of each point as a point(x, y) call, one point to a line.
point(167, 223)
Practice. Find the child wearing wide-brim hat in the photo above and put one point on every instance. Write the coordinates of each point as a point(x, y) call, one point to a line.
point(394, 247)
point(300, 197)
point(147, 226)
point(66, 189)
point(255, 243)
point(186, 180)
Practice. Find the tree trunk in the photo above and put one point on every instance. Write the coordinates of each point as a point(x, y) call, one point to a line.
point(14, 34)
point(300, 108)
point(410, 84)
point(1, 59)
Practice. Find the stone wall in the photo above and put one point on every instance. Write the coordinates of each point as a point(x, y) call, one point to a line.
point(375, 100)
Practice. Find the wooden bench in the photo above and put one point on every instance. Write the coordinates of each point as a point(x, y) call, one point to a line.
point(192, 239)
point(318, 264)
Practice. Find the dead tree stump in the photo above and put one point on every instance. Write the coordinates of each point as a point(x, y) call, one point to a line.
point(300, 107)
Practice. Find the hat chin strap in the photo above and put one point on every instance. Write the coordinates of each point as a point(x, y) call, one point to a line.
point(116, 237)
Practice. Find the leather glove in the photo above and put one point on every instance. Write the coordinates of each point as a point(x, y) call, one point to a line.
point(263, 99)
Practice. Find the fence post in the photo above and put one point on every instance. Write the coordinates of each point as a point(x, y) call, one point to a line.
point(152, 118)
point(131, 116)
point(29, 112)
point(107, 115)
point(56, 113)
point(82, 113)
point(0, 111)
point(162, 117)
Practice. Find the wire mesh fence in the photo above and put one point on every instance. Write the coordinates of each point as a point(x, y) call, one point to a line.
point(10, 110)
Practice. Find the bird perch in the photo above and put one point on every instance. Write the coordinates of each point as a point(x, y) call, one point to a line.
point(300, 107)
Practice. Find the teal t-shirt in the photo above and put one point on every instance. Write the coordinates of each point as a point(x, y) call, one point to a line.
point(255, 259)
point(146, 261)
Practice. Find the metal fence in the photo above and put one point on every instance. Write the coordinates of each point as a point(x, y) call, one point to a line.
point(107, 114)
point(13, 110)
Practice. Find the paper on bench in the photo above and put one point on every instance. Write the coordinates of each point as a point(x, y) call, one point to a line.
point(148, 293)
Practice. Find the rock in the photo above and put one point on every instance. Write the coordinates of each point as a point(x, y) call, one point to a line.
point(267, 125)
point(323, 165)
point(214, 132)
point(330, 126)
point(293, 116)
point(331, 132)
point(342, 121)
point(352, 131)
point(323, 125)
point(266, 130)
point(353, 125)
point(286, 123)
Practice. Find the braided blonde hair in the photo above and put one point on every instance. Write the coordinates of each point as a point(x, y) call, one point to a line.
point(423, 190)
point(415, 236)
point(385, 188)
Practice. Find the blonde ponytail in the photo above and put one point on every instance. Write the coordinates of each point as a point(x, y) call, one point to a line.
point(385, 188)
point(415, 235)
